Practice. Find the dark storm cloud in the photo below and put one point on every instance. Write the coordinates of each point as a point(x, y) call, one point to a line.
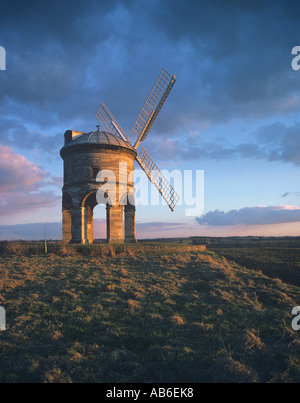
point(240, 64)
point(52, 61)
point(259, 215)
point(232, 59)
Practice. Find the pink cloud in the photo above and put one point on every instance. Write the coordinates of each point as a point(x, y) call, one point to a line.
point(18, 202)
point(154, 229)
point(16, 172)
point(20, 184)
point(99, 228)
point(56, 181)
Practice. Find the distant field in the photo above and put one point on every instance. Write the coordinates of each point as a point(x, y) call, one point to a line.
point(144, 313)
point(283, 263)
point(246, 242)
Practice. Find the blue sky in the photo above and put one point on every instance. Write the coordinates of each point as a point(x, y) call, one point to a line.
point(233, 112)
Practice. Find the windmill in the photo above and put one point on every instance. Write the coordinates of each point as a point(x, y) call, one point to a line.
point(88, 155)
point(141, 128)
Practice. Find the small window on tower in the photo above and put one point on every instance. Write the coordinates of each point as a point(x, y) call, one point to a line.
point(95, 172)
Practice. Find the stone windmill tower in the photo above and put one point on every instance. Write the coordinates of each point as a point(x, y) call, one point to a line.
point(98, 168)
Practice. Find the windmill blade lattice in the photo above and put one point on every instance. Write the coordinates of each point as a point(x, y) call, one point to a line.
point(141, 128)
point(153, 105)
point(157, 178)
point(109, 123)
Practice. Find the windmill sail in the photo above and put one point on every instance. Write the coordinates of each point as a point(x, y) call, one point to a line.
point(157, 178)
point(108, 122)
point(141, 128)
point(153, 105)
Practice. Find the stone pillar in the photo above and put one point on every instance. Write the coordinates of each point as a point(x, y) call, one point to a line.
point(114, 223)
point(129, 212)
point(79, 233)
point(66, 225)
point(89, 224)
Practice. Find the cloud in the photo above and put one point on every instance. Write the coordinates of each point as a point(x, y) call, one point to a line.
point(99, 228)
point(291, 194)
point(259, 215)
point(17, 173)
point(280, 142)
point(56, 181)
point(36, 231)
point(275, 142)
point(19, 203)
point(232, 60)
point(152, 229)
point(15, 134)
point(155, 227)
point(21, 184)
point(31, 231)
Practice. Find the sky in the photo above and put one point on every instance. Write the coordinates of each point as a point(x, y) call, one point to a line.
point(232, 115)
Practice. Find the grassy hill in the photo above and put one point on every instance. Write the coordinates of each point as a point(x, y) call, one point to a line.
point(144, 313)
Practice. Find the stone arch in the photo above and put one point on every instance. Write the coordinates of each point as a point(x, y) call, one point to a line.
point(78, 218)
point(82, 219)
point(88, 204)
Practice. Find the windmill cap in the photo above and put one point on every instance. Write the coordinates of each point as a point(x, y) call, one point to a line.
point(96, 137)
